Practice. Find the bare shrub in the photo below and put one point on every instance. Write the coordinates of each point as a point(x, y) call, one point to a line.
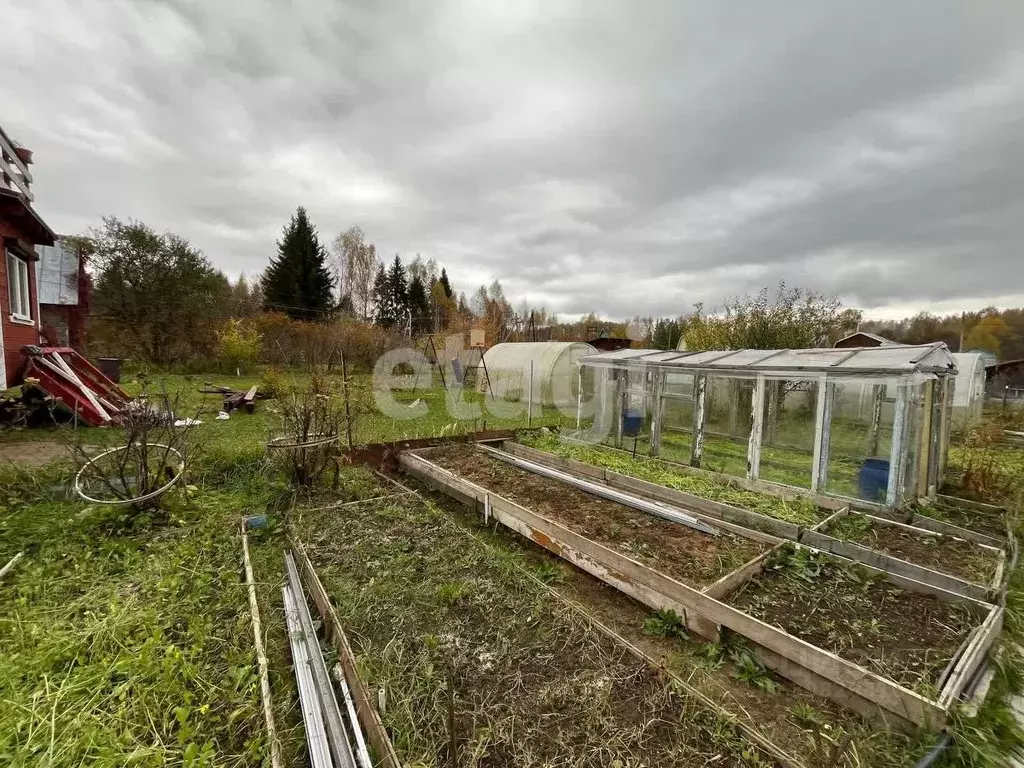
point(985, 474)
point(320, 346)
point(152, 455)
point(314, 422)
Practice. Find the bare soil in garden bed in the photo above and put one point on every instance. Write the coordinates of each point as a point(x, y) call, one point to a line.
point(803, 724)
point(450, 629)
point(685, 554)
point(957, 557)
point(905, 636)
point(988, 523)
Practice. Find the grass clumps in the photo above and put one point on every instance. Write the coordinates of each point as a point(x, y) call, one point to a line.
point(126, 645)
point(908, 637)
point(801, 512)
point(477, 659)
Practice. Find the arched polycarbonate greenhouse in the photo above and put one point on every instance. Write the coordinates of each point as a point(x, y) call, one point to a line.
point(544, 371)
point(867, 423)
point(969, 394)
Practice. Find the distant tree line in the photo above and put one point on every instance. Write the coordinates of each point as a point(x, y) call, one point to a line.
point(158, 298)
point(999, 331)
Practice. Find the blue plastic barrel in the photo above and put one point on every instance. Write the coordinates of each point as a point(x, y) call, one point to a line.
point(873, 479)
point(632, 422)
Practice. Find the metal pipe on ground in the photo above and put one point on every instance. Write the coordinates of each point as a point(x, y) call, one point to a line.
point(316, 737)
point(653, 508)
point(361, 751)
point(337, 738)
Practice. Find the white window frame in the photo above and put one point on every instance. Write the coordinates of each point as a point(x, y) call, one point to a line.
point(19, 289)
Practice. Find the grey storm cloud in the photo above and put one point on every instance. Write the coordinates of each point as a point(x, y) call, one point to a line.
point(624, 158)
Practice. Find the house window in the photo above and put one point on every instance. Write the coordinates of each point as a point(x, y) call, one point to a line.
point(17, 284)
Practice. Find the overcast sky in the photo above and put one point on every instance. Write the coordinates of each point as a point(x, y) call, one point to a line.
point(621, 157)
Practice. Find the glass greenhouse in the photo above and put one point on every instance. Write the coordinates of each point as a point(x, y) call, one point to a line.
point(868, 423)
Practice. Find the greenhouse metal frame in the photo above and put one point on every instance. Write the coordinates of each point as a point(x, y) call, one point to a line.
point(911, 394)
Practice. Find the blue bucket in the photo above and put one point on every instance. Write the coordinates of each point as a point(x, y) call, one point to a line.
point(873, 479)
point(632, 422)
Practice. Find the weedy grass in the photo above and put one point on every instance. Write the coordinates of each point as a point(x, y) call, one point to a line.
point(802, 512)
point(125, 645)
point(905, 636)
point(125, 640)
point(453, 632)
point(946, 554)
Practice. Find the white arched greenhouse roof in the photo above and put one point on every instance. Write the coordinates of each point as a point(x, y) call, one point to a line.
point(552, 360)
point(547, 356)
point(970, 379)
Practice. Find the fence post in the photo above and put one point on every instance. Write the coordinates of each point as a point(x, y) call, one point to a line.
point(348, 411)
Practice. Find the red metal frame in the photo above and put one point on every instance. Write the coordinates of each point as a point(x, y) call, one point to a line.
point(62, 388)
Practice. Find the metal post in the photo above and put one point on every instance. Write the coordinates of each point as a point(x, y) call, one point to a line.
point(896, 458)
point(756, 428)
point(948, 393)
point(700, 384)
point(822, 435)
point(924, 450)
point(529, 406)
point(337, 740)
point(312, 717)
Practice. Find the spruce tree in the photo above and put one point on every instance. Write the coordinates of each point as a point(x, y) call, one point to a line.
point(393, 308)
point(445, 283)
point(298, 282)
point(419, 307)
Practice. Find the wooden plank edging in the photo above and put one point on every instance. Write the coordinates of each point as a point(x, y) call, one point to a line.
point(938, 582)
point(895, 698)
point(941, 526)
point(972, 657)
point(723, 525)
point(735, 579)
point(814, 536)
point(384, 751)
point(698, 505)
point(261, 655)
point(977, 506)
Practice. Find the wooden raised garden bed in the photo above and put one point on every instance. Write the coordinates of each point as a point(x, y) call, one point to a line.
point(945, 561)
point(818, 669)
point(985, 519)
point(470, 662)
point(702, 561)
point(909, 551)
